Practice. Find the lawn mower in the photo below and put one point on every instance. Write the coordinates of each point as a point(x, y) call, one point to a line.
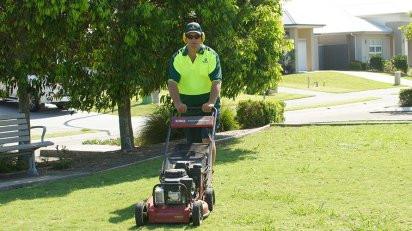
point(185, 193)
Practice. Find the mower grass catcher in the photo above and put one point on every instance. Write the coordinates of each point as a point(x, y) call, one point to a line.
point(185, 193)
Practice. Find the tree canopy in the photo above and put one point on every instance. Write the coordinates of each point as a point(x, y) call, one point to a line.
point(31, 33)
point(128, 45)
point(407, 30)
point(105, 52)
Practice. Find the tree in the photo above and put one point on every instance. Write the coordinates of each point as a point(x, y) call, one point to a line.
point(122, 54)
point(407, 30)
point(125, 50)
point(30, 35)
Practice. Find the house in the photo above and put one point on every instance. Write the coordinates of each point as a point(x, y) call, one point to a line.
point(353, 30)
point(299, 29)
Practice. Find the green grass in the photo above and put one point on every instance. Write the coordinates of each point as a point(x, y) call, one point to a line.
point(272, 97)
point(408, 78)
point(334, 82)
point(332, 104)
point(136, 109)
point(306, 178)
point(62, 134)
point(139, 109)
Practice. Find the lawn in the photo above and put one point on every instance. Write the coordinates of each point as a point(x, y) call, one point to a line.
point(332, 82)
point(301, 178)
point(139, 109)
point(332, 104)
point(272, 97)
point(37, 136)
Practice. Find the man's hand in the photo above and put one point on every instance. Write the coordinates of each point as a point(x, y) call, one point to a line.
point(180, 107)
point(207, 107)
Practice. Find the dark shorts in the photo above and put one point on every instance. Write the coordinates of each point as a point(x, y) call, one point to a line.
point(195, 135)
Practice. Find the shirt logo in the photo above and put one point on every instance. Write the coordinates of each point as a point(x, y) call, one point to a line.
point(204, 60)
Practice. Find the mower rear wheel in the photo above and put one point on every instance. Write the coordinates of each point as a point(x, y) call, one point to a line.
point(210, 198)
point(140, 214)
point(197, 213)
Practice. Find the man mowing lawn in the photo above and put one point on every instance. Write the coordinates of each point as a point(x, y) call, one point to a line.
point(195, 79)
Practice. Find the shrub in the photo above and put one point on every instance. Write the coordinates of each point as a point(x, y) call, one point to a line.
point(13, 164)
point(287, 61)
point(405, 97)
point(388, 66)
point(364, 66)
point(227, 120)
point(376, 63)
point(252, 114)
point(355, 65)
point(400, 62)
point(155, 129)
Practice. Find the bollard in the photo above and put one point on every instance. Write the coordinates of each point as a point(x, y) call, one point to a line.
point(147, 99)
point(397, 77)
point(155, 96)
point(308, 81)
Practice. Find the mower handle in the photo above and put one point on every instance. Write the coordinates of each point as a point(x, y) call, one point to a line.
point(214, 110)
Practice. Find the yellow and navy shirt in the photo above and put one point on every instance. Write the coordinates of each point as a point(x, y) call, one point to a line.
point(194, 79)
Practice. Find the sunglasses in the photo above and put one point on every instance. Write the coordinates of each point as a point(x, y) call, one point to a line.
point(196, 36)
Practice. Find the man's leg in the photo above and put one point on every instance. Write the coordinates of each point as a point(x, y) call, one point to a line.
point(207, 141)
point(206, 135)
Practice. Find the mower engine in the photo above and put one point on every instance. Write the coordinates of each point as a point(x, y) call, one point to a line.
point(176, 188)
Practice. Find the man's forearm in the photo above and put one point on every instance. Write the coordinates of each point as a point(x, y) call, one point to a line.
point(215, 91)
point(174, 92)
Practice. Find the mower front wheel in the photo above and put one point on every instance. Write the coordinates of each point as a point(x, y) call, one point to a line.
point(197, 213)
point(210, 198)
point(140, 214)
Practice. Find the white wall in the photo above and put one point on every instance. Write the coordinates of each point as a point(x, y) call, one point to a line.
point(364, 42)
point(398, 37)
point(326, 39)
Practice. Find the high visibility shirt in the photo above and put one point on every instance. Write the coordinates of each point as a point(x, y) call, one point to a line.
point(194, 79)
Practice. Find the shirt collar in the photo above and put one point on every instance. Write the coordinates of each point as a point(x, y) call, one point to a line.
point(200, 51)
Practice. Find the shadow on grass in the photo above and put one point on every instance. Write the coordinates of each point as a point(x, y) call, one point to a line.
point(62, 188)
point(146, 170)
point(226, 154)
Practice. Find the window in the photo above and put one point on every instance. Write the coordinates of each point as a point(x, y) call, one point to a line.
point(375, 47)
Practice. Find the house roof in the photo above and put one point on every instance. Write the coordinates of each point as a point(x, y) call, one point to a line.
point(339, 16)
point(298, 20)
point(376, 7)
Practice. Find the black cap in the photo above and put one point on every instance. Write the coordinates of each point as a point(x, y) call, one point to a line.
point(193, 27)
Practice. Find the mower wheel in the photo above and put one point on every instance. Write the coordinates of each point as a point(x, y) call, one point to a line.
point(210, 198)
point(140, 214)
point(197, 213)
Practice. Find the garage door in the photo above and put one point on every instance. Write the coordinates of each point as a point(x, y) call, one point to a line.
point(333, 57)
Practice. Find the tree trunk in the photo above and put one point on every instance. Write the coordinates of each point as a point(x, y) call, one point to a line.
point(23, 96)
point(125, 125)
point(24, 101)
